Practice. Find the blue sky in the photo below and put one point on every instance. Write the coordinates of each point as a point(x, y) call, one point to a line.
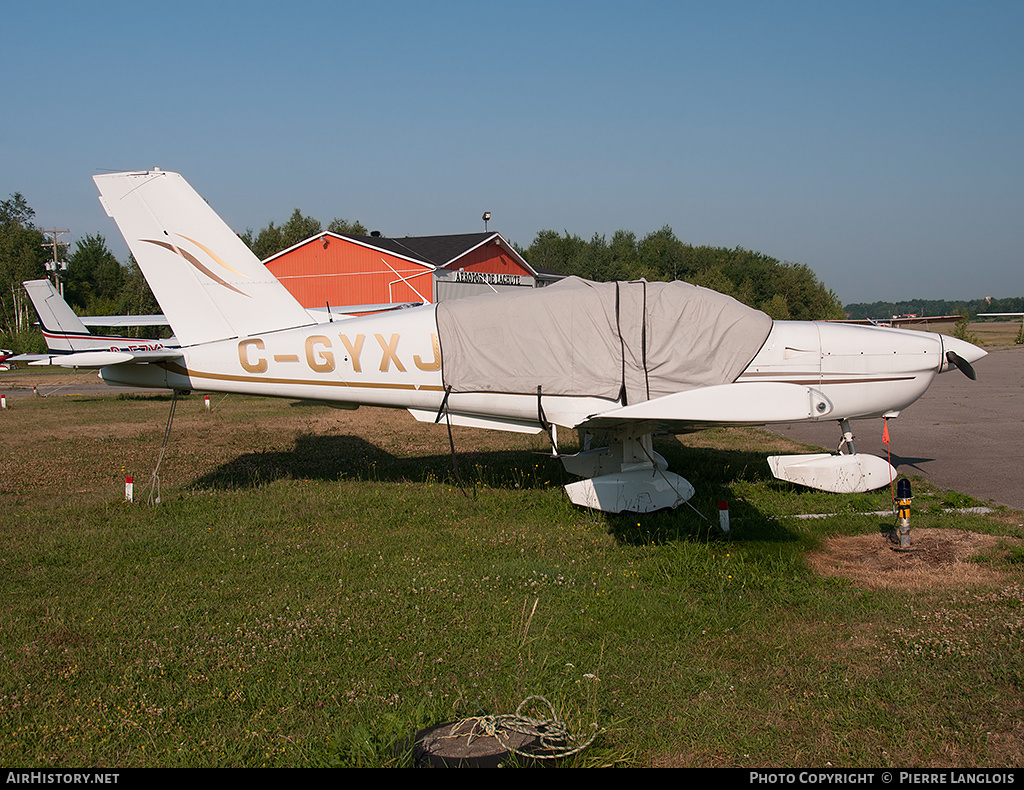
point(879, 143)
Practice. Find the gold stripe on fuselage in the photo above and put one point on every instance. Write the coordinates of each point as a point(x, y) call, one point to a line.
point(173, 367)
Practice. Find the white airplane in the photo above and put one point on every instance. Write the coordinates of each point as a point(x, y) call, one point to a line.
point(66, 333)
point(624, 359)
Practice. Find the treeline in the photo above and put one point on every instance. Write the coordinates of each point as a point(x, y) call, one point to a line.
point(783, 290)
point(96, 283)
point(935, 307)
point(274, 238)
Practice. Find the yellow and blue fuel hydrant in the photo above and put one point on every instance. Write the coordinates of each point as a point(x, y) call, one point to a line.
point(903, 497)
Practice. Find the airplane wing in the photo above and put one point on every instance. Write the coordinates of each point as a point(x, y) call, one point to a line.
point(744, 403)
point(899, 321)
point(346, 311)
point(124, 320)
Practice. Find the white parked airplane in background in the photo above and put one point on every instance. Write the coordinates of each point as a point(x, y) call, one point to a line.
point(622, 358)
point(67, 333)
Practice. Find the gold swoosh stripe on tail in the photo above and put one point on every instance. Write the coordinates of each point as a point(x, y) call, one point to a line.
point(195, 262)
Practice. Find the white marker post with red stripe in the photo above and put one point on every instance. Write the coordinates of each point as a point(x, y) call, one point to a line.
point(723, 515)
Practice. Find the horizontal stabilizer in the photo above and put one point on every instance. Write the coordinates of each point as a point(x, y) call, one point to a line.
point(840, 474)
point(746, 403)
point(100, 359)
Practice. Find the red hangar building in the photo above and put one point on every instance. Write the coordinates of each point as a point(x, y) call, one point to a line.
point(360, 274)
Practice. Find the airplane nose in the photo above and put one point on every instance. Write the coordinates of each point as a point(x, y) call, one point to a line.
point(961, 355)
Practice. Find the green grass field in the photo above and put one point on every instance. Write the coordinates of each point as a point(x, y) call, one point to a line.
point(316, 585)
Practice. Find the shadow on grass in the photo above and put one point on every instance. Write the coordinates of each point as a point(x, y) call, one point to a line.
point(333, 458)
point(712, 473)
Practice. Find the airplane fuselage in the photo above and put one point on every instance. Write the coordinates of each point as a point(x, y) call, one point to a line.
point(394, 360)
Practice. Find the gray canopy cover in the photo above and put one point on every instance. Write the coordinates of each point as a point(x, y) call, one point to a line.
point(577, 337)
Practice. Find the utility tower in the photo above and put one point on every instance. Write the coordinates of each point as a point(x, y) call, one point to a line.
point(56, 265)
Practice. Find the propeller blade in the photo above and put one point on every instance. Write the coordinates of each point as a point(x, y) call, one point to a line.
point(962, 365)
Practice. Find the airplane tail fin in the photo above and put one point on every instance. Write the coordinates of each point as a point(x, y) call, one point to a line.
point(208, 282)
point(64, 331)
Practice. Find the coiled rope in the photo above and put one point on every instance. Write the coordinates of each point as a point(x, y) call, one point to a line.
point(552, 735)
